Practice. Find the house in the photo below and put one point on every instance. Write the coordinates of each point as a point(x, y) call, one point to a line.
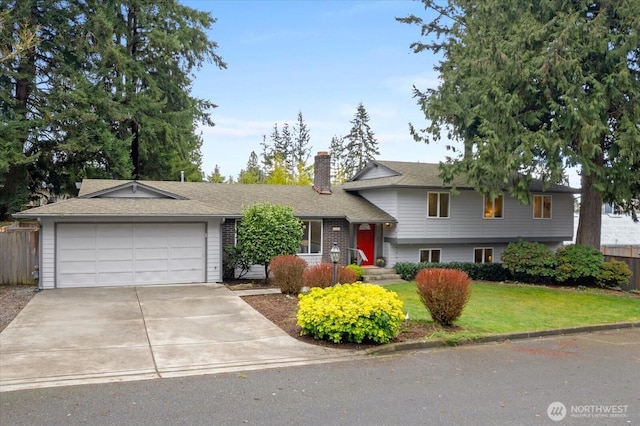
point(433, 225)
point(151, 232)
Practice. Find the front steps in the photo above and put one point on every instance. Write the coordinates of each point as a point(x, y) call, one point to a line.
point(375, 275)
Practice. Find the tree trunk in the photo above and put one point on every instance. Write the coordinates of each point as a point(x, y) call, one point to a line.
point(135, 150)
point(590, 220)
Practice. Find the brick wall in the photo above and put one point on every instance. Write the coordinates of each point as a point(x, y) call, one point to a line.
point(335, 231)
point(229, 233)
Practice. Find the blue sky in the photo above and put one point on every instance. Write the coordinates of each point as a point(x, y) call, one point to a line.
point(319, 57)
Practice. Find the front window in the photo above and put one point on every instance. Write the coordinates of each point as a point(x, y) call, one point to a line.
point(430, 255)
point(311, 237)
point(483, 255)
point(542, 206)
point(438, 204)
point(493, 207)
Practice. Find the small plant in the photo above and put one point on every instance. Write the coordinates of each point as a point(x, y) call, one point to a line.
point(286, 272)
point(578, 264)
point(359, 270)
point(444, 292)
point(614, 273)
point(529, 261)
point(351, 313)
point(233, 261)
point(380, 262)
point(321, 275)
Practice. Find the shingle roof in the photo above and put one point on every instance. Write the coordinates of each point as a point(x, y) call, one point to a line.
point(211, 199)
point(422, 175)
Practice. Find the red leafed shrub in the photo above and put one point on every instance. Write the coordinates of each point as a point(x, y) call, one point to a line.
point(321, 275)
point(286, 272)
point(444, 292)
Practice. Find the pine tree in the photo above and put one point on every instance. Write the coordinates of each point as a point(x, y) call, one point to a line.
point(361, 145)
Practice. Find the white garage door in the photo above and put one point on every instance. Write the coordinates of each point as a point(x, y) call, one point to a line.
point(92, 255)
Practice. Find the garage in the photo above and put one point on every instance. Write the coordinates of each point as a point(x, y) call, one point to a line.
point(111, 254)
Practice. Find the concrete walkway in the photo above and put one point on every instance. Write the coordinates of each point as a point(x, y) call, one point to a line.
point(97, 335)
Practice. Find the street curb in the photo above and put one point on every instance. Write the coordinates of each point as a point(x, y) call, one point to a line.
point(417, 345)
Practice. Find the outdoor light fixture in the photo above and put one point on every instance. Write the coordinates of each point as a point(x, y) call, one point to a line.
point(334, 253)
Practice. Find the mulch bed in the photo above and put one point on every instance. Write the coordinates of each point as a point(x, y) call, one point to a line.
point(281, 310)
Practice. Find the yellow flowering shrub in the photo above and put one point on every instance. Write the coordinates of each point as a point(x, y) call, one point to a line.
point(351, 313)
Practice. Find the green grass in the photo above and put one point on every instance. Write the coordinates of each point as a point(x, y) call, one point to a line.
point(508, 308)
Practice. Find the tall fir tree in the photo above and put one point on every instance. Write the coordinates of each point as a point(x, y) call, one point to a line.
point(531, 89)
point(360, 144)
point(105, 93)
point(301, 152)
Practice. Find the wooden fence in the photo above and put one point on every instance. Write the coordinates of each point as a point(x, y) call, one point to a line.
point(18, 255)
point(630, 256)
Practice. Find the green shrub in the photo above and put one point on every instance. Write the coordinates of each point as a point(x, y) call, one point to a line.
point(359, 270)
point(444, 292)
point(614, 273)
point(476, 271)
point(233, 261)
point(578, 264)
point(321, 275)
point(407, 270)
point(286, 272)
point(351, 313)
point(529, 261)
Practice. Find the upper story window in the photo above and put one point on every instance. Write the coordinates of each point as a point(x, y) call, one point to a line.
point(483, 255)
point(438, 204)
point(493, 207)
point(311, 237)
point(542, 206)
point(430, 255)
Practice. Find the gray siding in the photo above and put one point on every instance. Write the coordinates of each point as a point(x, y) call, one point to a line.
point(466, 220)
point(47, 254)
point(449, 252)
point(385, 199)
point(376, 172)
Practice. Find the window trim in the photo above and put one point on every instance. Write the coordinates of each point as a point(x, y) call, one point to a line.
point(306, 223)
point(483, 254)
point(542, 196)
point(493, 203)
point(439, 193)
point(430, 250)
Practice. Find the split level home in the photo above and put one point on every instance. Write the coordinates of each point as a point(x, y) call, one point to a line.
point(118, 232)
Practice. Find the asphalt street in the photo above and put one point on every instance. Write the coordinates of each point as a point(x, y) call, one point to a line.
point(570, 380)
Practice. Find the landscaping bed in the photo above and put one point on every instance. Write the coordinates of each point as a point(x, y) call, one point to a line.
point(12, 299)
point(281, 310)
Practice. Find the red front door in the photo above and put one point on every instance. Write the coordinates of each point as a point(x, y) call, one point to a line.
point(366, 241)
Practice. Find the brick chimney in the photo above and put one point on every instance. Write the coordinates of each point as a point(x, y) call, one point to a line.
point(322, 173)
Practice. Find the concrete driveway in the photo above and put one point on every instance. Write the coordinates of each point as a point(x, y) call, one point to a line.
point(97, 335)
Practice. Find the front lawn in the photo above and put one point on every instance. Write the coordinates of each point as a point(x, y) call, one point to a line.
point(508, 308)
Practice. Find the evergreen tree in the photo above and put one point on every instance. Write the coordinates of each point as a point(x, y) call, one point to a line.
point(251, 173)
point(361, 145)
point(285, 159)
point(535, 88)
point(216, 176)
point(337, 151)
point(301, 151)
point(105, 93)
